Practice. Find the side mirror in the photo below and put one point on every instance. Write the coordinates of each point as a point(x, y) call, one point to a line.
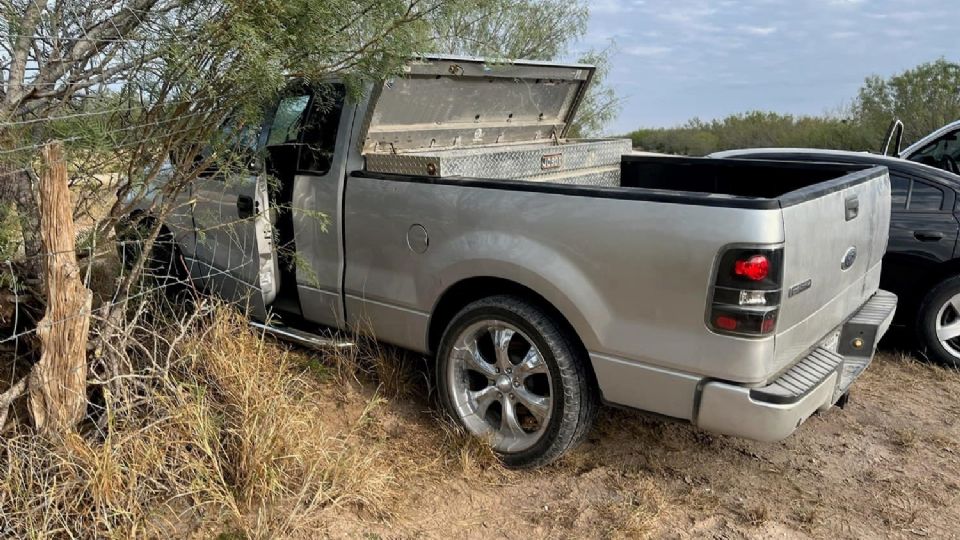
point(894, 139)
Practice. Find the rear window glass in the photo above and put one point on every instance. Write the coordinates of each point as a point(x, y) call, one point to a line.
point(925, 197)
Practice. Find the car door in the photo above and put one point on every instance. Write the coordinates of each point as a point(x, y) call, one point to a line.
point(315, 204)
point(923, 233)
point(234, 232)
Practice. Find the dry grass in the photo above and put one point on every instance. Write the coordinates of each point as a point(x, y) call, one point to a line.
point(236, 436)
point(240, 436)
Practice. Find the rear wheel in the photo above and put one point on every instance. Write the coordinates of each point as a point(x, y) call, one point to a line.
point(939, 323)
point(509, 373)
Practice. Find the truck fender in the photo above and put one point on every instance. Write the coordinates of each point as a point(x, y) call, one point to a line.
point(528, 265)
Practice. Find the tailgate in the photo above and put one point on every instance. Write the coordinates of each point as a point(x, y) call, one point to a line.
point(835, 235)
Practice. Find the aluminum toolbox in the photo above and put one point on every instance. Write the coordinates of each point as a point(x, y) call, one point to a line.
point(466, 117)
point(591, 162)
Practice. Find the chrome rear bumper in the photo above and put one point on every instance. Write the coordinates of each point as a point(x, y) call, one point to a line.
point(774, 411)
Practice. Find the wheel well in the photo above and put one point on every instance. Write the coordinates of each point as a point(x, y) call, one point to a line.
point(926, 281)
point(469, 290)
point(941, 272)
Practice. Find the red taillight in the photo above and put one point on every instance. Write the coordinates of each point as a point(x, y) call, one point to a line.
point(756, 268)
point(768, 325)
point(747, 291)
point(724, 322)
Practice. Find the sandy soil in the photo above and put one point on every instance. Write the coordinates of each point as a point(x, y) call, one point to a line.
point(888, 465)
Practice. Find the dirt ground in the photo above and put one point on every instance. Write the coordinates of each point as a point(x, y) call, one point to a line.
point(888, 465)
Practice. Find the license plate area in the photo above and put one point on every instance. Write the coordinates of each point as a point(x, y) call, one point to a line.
point(832, 341)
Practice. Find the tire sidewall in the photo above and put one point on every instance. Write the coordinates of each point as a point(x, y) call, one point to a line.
point(483, 310)
point(927, 322)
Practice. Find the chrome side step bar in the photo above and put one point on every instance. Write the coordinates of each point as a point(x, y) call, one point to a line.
point(305, 339)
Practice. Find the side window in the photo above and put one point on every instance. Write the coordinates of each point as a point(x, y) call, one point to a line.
point(288, 120)
point(899, 189)
point(320, 130)
point(934, 154)
point(952, 145)
point(925, 198)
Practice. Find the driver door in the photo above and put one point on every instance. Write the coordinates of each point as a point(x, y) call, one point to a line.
point(235, 237)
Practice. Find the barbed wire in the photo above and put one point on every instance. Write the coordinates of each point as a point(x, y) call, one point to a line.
point(87, 114)
point(144, 39)
point(108, 133)
point(117, 301)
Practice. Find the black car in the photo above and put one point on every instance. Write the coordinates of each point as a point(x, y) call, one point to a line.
point(922, 264)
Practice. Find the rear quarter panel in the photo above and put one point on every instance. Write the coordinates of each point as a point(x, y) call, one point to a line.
point(630, 276)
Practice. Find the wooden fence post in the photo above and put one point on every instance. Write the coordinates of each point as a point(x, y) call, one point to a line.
point(57, 385)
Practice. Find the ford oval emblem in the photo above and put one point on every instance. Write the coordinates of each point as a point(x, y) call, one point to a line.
point(849, 258)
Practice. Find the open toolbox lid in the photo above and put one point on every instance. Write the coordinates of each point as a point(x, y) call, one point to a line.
point(448, 101)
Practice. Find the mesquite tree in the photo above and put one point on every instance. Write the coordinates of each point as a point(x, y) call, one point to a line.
point(129, 85)
point(535, 30)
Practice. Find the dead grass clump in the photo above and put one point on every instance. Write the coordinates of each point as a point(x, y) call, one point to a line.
point(904, 438)
point(912, 371)
point(467, 454)
point(231, 437)
point(395, 372)
point(636, 510)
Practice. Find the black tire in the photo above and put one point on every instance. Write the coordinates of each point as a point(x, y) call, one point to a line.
point(573, 396)
point(933, 309)
point(164, 265)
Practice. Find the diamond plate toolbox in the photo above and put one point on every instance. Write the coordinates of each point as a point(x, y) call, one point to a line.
point(547, 161)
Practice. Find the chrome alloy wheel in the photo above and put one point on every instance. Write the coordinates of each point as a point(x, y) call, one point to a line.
point(948, 326)
point(500, 385)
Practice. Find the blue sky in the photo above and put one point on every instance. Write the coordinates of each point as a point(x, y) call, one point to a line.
point(677, 59)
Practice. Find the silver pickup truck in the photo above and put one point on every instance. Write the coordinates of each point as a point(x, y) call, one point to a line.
point(445, 212)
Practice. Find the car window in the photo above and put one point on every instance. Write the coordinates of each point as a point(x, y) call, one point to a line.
point(899, 189)
point(320, 130)
point(933, 153)
point(924, 197)
point(288, 120)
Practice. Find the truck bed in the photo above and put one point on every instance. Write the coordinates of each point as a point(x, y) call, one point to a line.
point(608, 168)
point(730, 177)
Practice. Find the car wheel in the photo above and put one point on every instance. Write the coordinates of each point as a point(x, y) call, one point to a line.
point(509, 373)
point(163, 265)
point(939, 323)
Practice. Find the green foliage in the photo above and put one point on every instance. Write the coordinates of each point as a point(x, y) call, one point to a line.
point(529, 30)
point(510, 29)
point(600, 105)
point(754, 130)
point(9, 232)
point(925, 98)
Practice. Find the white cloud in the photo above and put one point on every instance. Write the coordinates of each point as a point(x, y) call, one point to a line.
point(844, 34)
point(614, 6)
point(647, 50)
point(758, 30)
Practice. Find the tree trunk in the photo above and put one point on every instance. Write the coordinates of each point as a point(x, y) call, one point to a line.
point(21, 186)
point(57, 385)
